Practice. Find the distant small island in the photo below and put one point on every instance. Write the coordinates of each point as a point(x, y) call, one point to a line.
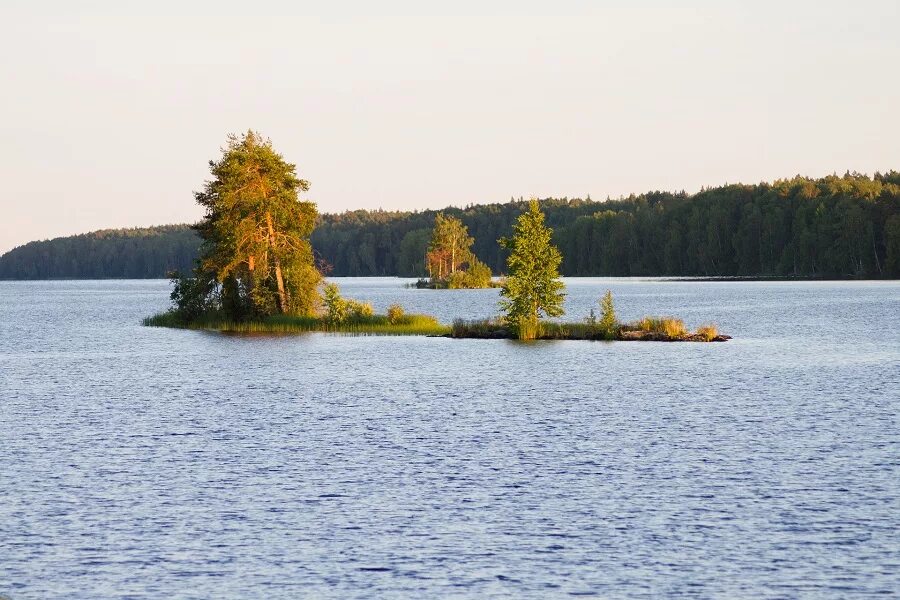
point(450, 261)
point(257, 272)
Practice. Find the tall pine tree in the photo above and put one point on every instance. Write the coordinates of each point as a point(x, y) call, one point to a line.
point(256, 253)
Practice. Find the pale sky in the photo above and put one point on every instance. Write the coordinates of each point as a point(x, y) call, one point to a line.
point(111, 110)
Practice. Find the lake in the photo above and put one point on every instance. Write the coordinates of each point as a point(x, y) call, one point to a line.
point(152, 463)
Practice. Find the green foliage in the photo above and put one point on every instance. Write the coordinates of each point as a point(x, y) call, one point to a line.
point(193, 297)
point(835, 226)
point(892, 243)
point(533, 288)
point(497, 329)
point(256, 232)
point(450, 261)
point(411, 254)
point(289, 324)
point(336, 308)
point(339, 310)
point(476, 276)
point(141, 253)
point(481, 328)
point(608, 325)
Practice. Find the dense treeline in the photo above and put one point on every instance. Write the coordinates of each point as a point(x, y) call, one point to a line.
point(836, 226)
point(109, 254)
point(830, 227)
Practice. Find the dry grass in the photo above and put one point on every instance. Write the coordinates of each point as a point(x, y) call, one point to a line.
point(669, 326)
point(708, 332)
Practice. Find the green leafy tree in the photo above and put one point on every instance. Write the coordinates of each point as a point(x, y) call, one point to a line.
point(533, 288)
point(608, 324)
point(337, 309)
point(256, 232)
point(411, 252)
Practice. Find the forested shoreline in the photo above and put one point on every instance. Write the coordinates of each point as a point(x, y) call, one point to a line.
point(135, 253)
point(831, 227)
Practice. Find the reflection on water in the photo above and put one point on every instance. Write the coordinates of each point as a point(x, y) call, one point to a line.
point(150, 462)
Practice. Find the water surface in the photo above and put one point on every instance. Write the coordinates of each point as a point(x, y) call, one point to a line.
point(147, 463)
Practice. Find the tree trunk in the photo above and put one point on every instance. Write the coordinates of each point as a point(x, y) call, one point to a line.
point(282, 295)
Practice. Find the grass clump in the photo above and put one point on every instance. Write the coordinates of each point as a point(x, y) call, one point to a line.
point(394, 314)
point(481, 329)
point(669, 326)
point(708, 332)
point(408, 324)
point(338, 315)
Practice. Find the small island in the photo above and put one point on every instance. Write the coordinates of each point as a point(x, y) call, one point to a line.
point(450, 261)
point(257, 272)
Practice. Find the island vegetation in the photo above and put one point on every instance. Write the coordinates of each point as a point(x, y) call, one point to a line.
point(450, 261)
point(839, 226)
point(533, 291)
point(257, 272)
point(533, 288)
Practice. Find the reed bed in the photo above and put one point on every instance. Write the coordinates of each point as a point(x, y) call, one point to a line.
point(363, 325)
point(648, 329)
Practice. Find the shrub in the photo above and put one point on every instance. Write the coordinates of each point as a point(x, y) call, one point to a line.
point(649, 324)
point(192, 297)
point(336, 308)
point(608, 325)
point(673, 327)
point(708, 332)
point(359, 310)
point(481, 328)
point(394, 313)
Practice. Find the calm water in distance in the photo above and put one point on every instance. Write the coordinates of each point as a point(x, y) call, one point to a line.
point(154, 463)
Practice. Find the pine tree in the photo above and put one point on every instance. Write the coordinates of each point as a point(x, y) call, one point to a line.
point(256, 232)
point(533, 288)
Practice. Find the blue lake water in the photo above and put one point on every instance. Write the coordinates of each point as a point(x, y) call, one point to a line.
point(153, 463)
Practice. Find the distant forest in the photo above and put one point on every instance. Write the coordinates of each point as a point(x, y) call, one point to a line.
point(140, 253)
point(836, 226)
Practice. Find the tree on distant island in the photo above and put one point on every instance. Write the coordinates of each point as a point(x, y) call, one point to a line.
point(255, 258)
point(533, 288)
point(450, 260)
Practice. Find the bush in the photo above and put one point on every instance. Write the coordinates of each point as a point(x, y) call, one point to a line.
point(192, 297)
point(476, 276)
point(674, 327)
point(708, 332)
point(359, 310)
point(608, 324)
point(336, 308)
point(394, 313)
point(666, 325)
